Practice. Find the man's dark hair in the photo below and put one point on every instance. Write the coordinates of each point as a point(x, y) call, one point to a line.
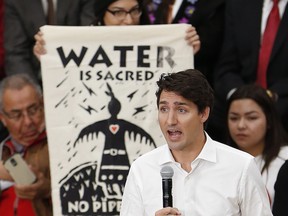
point(191, 84)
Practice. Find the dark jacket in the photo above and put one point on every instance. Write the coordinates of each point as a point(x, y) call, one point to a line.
point(23, 20)
point(239, 56)
point(280, 207)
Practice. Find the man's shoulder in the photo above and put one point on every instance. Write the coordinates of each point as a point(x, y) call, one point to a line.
point(225, 150)
point(153, 155)
point(230, 153)
point(156, 151)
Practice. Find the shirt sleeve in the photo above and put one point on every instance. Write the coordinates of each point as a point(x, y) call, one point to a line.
point(253, 194)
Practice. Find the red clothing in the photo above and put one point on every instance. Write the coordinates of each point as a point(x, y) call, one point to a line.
point(7, 204)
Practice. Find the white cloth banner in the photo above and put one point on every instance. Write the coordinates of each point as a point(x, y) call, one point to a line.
point(99, 93)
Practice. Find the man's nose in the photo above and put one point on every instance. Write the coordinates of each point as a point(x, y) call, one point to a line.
point(26, 118)
point(172, 118)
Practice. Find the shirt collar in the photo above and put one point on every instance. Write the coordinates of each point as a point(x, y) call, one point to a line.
point(208, 151)
point(167, 156)
point(17, 147)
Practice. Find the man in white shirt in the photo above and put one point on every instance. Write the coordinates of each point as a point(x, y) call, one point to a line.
point(209, 178)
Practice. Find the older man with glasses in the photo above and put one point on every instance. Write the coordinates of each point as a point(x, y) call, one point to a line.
point(21, 112)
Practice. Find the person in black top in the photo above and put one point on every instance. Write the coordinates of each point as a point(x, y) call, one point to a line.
point(280, 207)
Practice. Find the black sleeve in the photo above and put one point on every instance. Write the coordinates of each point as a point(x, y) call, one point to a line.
point(280, 206)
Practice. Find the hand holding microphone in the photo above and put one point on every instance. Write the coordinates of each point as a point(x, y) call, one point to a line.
point(168, 211)
point(167, 174)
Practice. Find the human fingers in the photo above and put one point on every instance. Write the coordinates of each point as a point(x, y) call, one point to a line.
point(25, 191)
point(195, 42)
point(168, 211)
point(40, 188)
point(190, 31)
point(38, 50)
point(193, 39)
point(39, 37)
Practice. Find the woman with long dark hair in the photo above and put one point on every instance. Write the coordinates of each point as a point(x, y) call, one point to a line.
point(254, 127)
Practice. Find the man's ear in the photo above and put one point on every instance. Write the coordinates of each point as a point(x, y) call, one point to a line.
point(205, 114)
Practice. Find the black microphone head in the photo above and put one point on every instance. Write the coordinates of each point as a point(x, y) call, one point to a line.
point(167, 172)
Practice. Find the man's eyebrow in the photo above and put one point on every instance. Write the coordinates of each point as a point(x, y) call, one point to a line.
point(163, 102)
point(180, 103)
point(175, 103)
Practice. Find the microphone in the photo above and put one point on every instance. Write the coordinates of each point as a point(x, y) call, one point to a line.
point(167, 174)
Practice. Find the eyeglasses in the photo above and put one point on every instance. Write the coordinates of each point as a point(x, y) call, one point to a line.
point(17, 115)
point(121, 14)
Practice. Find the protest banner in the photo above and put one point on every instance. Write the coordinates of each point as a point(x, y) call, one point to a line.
point(100, 107)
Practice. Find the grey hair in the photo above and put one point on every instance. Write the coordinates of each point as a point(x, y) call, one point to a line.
point(18, 82)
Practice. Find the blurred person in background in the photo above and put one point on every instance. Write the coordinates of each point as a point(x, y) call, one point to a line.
point(3, 131)
point(207, 16)
point(22, 113)
point(121, 12)
point(22, 20)
point(2, 74)
point(280, 207)
point(254, 50)
point(254, 127)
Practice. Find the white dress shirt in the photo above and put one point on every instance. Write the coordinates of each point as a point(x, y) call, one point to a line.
point(269, 176)
point(267, 7)
point(45, 6)
point(176, 7)
point(223, 182)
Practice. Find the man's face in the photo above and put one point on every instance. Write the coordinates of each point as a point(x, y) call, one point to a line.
point(22, 114)
point(180, 121)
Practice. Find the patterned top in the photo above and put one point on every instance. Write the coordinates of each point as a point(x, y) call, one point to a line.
point(156, 11)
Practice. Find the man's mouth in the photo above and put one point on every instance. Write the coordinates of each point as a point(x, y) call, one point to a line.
point(174, 134)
